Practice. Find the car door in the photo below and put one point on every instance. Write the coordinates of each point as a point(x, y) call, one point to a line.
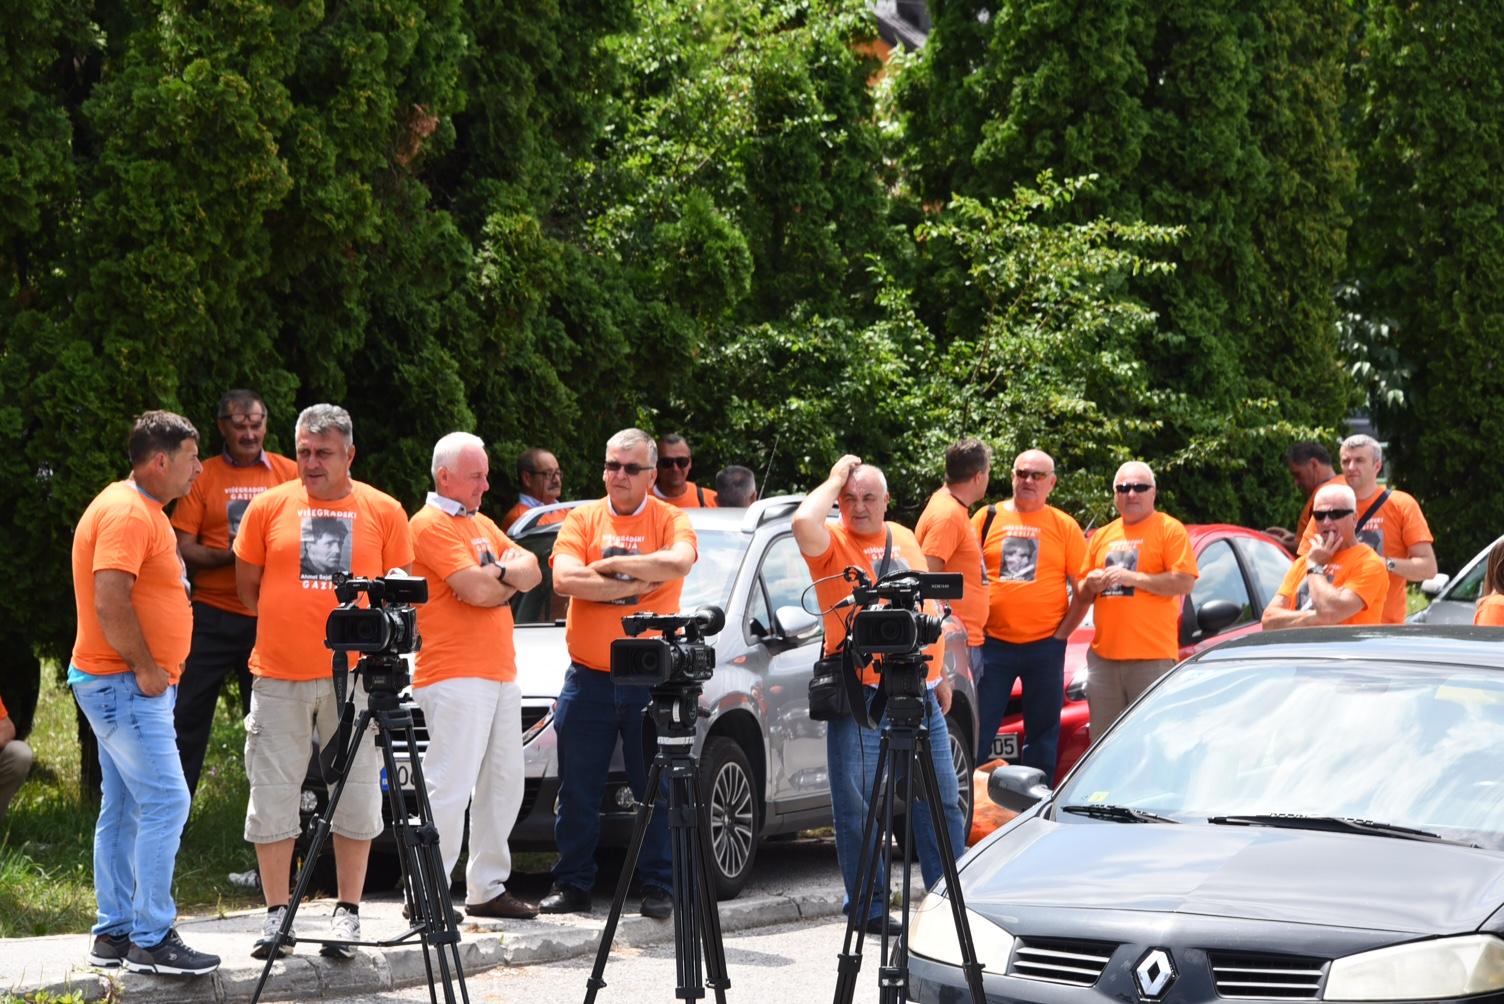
point(797, 776)
point(1221, 577)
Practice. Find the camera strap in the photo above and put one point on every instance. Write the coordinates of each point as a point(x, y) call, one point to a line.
point(856, 699)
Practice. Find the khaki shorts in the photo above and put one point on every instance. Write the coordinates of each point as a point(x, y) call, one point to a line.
point(285, 718)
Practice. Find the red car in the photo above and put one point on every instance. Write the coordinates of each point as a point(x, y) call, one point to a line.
point(1240, 571)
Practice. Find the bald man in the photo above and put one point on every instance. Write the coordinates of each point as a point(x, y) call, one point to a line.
point(1340, 580)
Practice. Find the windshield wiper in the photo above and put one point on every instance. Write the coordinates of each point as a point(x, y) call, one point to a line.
point(1333, 824)
point(1117, 813)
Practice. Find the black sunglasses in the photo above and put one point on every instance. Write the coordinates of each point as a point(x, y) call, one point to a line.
point(1136, 486)
point(632, 469)
point(664, 463)
point(1329, 515)
point(1031, 475)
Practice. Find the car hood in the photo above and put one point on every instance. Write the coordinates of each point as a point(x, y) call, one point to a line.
point(542, 659)
point(1254, 873)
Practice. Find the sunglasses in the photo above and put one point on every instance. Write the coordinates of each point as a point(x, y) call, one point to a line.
point(612, 466)
point(1031, 475)
point(1330, 515)
point(664, 463)
point(1135, 486)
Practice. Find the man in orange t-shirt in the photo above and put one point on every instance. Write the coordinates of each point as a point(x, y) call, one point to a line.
point(860, 539)
point(949, 545)
point(293, 697)
point(206, 520)
point(1032, 553)
point(542, 482)
point(1397, 530)
point(15, 761)
point(465, 680)
point(673, 484)
point(619, 555)
point(1310, 465)
point(1137, 569)
point(134, 624)
point(1339, 580)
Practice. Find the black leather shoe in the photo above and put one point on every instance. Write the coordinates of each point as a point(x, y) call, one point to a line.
point(885, 922)
point(565, 899)
point(656, 904)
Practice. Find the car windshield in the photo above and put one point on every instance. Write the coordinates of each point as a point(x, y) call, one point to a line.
point(709, 582)
point(1412, 745)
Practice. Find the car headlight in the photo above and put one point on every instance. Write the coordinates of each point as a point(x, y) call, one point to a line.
point(1422, 970)
point(932, 934)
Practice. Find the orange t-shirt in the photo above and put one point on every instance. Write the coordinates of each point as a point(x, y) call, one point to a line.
point(865, 552)
point(1133, 623)
point(211, 512)
point(1305, 511)
point(944, 532)
point(1357, 568)
point(1392, 531)
point(459, 640)
point(3, 713)
point(1490, 612)
point(515, 513)
point(693, 497)
point(1028, 557)
point(594, 531)
point(299, 542)
point(124, 531)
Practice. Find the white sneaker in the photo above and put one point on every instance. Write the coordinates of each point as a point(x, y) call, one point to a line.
point(343, 926)
point(269, 929)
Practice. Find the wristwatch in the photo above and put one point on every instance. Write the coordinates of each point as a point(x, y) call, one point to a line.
point(501, 573)
point(1389, 563)
point(1315, 569)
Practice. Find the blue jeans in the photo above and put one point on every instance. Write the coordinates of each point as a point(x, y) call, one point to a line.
point(143, 806)
point(851, 755)
point(1041, 666)
point(591, 713)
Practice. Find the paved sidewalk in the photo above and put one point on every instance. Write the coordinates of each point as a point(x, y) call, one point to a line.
point(793, 882)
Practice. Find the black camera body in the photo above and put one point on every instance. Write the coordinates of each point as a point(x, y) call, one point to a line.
point(900, 628)
point(389, 626)
point(670, 659)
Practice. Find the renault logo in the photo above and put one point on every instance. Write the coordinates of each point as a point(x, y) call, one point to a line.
point(1154, 974)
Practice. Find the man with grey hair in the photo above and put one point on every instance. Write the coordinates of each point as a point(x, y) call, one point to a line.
point(623, 554)
point(735, 487)
point(1339, 580)
point(466, 672)
point(1388, 520)
point(1137, 569)
point(292, 697)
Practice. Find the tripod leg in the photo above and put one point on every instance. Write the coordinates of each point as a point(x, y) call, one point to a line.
point(315, 847)
point(849, 962)
point(715, 949)
point(891, 977)
point(969, 964)
point(686, 879)
point(634, 848)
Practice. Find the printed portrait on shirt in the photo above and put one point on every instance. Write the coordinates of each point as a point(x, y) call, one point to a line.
point(610, 551)
point(326, 547)
point(1121, 556)
point(1020, 559)
point(1373, 537)
point(234, 513)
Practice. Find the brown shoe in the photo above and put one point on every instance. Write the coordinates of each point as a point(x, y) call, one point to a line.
point(505, 905)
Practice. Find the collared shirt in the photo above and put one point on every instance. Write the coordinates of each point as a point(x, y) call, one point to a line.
point(523, 498)
point(448, 505)
point(263, 460)
point(634, 512)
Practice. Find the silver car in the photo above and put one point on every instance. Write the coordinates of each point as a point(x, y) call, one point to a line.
point(1453, 600)
point(762, 761)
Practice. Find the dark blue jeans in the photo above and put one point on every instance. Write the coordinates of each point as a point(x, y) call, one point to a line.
point(591, 714)
point(1041, 666)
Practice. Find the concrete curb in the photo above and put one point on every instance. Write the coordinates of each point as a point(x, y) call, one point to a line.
point(483, 946)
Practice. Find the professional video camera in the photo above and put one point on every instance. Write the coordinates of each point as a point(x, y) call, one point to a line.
point(654, 662)
point(382, 633)
point(899, 630)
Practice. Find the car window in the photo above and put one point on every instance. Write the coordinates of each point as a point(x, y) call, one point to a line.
point(709, 581)
point(1269, 564)
point(1470, 585)
point(784, 573)
point(1201, 744)
point(1221, 578)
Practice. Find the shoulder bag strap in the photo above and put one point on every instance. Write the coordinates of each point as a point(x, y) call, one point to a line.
point(1377, 505)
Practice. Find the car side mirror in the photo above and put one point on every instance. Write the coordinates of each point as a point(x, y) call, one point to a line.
point(795, 624)
point(1435, 583)
point(1017, 788)
point(1216, 616)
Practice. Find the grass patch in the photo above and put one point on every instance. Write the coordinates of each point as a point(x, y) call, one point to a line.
point(46, 853)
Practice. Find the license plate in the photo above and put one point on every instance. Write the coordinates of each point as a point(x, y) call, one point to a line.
point(1005, 747)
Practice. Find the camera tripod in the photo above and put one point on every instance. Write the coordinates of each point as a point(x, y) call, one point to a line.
point(903, 749)
point(425, 885)
point(697, 924)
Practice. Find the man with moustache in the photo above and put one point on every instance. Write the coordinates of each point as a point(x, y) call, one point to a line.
point(542, 482)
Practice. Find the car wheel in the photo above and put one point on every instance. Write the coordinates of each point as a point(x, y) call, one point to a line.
point(960, 758)
point(729, 794)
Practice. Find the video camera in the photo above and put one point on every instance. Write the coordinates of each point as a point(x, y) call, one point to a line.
point(655, 662)
point(383, 632)
point(899, 628)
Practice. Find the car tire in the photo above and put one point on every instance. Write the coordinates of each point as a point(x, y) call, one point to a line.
point(961, 759)
point(728, 791)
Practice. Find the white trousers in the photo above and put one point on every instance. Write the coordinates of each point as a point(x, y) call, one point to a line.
point(474, 758)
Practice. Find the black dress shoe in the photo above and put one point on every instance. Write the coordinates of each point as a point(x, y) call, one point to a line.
point(884, 922)
point(565, 899)
point(656, 904)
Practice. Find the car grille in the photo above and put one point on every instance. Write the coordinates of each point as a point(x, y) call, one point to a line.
point(1057, 960)
point(530, 786)
point(532, 714)
point(1267, 977)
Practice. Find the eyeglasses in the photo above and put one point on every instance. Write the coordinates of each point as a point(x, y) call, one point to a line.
point(632, 470)
point(1135, 486)
point(244, 421)
point(664, 463)
point(1330, 515)
point(545, 475)
point(1031, 475)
